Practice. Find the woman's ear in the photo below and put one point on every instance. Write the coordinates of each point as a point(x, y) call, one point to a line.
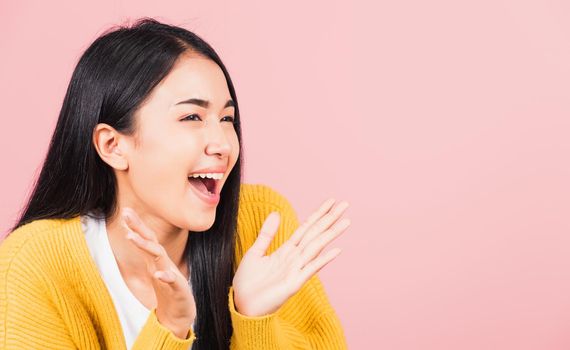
point(106, 141)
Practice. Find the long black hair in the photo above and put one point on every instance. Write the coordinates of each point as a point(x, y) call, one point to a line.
point(113, 77)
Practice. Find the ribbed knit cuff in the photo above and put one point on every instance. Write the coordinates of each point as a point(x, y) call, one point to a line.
point(155, 335)
point(255, 332)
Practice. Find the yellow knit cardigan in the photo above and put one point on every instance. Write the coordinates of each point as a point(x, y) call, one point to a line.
point(53, 297)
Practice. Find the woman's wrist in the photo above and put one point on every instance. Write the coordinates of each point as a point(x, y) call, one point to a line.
point(178, 329)
point(180, 332)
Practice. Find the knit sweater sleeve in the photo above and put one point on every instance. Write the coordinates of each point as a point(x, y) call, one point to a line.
point(307, 320)
point(154, 335)
point(28, 318)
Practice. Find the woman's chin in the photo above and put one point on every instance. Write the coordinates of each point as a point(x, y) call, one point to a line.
point(202, 223)
point(199, 217)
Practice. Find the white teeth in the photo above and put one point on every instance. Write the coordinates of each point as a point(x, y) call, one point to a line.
point(215, 176)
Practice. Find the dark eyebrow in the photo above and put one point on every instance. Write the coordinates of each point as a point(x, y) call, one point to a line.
point(205, 103)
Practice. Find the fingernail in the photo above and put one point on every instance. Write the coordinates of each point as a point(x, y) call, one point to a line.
point(131, 236)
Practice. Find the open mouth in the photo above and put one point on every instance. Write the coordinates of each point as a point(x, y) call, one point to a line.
point(205, 185)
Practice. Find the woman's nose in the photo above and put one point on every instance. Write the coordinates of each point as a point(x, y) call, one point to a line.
point(217, 141)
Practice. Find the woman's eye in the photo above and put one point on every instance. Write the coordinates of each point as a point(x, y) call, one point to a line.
point(190, 116)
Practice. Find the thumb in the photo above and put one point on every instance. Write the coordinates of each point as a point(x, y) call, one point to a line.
point(266, 234)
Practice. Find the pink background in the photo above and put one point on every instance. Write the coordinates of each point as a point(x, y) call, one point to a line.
point(445, 124)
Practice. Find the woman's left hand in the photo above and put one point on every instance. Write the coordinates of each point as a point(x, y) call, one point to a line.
point(262, 283)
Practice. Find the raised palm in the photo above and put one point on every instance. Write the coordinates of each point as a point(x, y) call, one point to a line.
point(262, 283)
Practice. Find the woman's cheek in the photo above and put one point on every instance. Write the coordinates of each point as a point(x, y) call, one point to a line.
point(152, 178)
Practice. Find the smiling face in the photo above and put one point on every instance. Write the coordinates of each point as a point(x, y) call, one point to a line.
point(173, 140)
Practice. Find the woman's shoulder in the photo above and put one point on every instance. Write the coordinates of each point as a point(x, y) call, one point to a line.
point(32, 244)
point(262, 195)
point(257, 201)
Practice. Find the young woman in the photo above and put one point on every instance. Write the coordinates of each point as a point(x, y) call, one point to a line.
point(139, 234)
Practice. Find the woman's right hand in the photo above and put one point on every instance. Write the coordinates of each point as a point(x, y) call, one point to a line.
point(176, 308)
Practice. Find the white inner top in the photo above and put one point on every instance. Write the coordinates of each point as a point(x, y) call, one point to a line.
point(132, 313)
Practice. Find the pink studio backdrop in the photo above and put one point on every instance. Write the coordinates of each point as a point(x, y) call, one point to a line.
point(445, 124)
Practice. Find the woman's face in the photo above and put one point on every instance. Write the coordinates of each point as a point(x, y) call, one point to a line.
point(175, 139)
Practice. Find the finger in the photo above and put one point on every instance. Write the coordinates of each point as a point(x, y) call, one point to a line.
point(315, 247)
point(266, 234)
point(317, 264)
point(165, 276)
point(170, 279)
point(162, 267)
point(154, 250)
point(323, 224)
point(135, 223)
point(323, 209)
point(291, 244)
